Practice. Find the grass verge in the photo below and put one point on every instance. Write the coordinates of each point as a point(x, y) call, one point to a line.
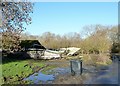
point(15, 72)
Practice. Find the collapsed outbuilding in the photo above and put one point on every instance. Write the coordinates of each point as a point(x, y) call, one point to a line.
point(71, 51)
point(37, 51)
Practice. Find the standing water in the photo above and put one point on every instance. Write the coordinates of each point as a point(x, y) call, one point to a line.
point(94, 75)
point(37, 78)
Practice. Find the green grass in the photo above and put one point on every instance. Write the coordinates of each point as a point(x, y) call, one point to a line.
point(1, 82)
point(14, 72)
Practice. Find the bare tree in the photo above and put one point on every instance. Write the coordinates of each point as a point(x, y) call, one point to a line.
point(14, 14)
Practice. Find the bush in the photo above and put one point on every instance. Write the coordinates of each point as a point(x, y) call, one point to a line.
point(115, 48)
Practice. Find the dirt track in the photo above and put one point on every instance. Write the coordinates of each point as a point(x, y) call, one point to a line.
point(91, 75)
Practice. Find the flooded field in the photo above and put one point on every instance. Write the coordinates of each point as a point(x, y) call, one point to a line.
point(91, 75)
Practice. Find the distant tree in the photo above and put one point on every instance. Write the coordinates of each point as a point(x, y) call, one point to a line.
point(97, 39)
point(114, 38)
point(113, 34)
point(48, 39)
point(74, 39)
point(14, 15)
point(27, 36)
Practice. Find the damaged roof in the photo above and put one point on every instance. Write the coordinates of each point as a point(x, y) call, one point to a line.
point(31, 44)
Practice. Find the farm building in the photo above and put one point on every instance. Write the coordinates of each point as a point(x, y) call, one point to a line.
point(28, 44)
point(37, 51)
point(71, 51)
point(33, 48)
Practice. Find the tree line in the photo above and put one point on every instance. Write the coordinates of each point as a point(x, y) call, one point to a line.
point(93, 39)
point(97, 39)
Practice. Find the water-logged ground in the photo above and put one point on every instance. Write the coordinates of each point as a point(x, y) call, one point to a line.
point(105, 75)
point(40, 78)
point(91, 75)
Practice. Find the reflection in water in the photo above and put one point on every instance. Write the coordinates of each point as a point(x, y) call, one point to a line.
point(40, 77)
point(60, 71)
point(101, 75)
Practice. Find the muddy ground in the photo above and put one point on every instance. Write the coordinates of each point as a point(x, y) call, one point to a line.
point(61, 74)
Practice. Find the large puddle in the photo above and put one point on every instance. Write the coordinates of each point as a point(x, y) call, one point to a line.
point(40, 78)
point(37, 78)
point(102, 75)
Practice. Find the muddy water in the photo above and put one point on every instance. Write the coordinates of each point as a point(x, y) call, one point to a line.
point(91, 75)
point(39, 77)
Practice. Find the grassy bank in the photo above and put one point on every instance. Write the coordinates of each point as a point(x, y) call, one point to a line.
point(93, 59)
point(96, 59)
point(15, 71)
